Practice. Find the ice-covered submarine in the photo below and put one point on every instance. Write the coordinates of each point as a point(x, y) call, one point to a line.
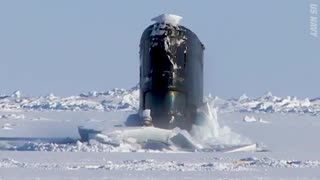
point(171, 74)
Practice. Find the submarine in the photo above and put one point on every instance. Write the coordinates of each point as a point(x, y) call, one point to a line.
point(171, 74)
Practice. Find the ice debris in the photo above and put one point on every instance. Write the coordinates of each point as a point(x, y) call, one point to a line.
point(248, 118)
point(128, 100)
point(168, 18)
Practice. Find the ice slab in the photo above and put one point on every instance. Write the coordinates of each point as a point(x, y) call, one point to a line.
point(168, 18)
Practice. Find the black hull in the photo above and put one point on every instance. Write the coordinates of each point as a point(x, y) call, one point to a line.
point(171, 75)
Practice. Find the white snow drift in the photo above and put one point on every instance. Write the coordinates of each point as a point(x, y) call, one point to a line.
point(128, 100)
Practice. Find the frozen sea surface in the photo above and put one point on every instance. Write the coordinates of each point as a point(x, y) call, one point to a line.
point(287, 139)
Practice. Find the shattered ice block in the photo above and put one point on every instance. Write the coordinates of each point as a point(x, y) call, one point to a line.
point(168, 18)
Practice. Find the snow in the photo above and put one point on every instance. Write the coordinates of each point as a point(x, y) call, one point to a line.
point(249, 119)
point(12, 116)
point(168, 18)
point(269, 103)
point(128, 100)
point(112, 100)
point(208, 132)
point(16, 94)
point(275, 137)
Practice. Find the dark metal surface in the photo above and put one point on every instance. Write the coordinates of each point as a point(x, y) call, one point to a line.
point(171, 75)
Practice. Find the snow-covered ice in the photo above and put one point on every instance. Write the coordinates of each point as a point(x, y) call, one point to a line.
point(281, 132)
point(247, 118)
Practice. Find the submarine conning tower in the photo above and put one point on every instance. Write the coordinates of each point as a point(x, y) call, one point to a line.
point(171, 74)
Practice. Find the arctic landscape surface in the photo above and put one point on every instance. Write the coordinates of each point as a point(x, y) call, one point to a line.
point(267, 137)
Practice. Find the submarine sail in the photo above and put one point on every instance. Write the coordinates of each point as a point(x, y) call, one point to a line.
point(171, 74)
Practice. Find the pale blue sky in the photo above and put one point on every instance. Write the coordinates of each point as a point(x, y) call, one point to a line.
point(68, 47)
